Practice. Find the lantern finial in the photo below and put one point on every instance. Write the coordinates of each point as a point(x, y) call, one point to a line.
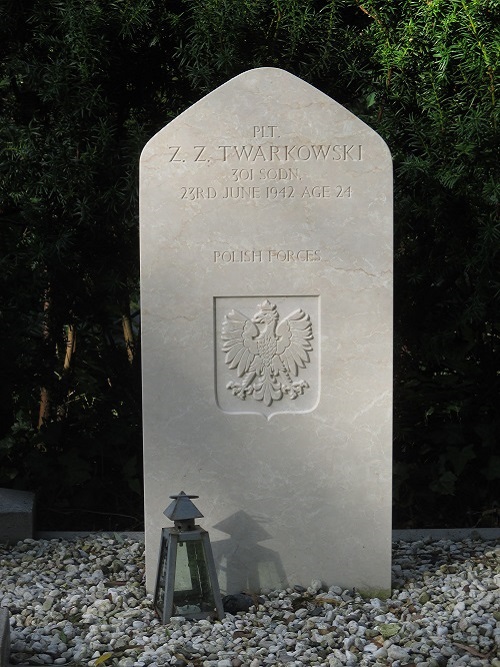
point(182, 511)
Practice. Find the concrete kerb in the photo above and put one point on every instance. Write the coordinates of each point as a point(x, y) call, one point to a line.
point(397, 535)
point(416, 534)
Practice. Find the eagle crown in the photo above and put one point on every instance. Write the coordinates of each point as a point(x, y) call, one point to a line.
point(267, 314)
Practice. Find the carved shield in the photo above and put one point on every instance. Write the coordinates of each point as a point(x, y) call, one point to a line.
point(267, 354)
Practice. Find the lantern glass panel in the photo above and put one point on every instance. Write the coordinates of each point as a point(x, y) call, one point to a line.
point(193, 589)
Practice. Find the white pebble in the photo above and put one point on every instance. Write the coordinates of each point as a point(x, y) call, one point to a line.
point(396, 652)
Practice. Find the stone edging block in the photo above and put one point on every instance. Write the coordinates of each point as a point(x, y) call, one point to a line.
point(16, 515)
point(4, 638)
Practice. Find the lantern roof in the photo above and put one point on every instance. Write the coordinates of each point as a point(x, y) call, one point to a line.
point(182, 509)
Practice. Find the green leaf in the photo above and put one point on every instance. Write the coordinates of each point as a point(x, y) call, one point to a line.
point(102, 658)
point(460, 457)
point(389, 629)
point(492, 472)
point(445, 484)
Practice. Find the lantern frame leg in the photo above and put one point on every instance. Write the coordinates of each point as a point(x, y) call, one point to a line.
point(161, 575)
point(168, 603)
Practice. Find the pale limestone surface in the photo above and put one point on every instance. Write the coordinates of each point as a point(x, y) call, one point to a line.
point(266, 235)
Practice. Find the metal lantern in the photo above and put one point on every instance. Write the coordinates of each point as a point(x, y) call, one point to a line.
point(186, 584)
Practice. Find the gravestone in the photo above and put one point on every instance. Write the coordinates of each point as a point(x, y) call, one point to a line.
point(266, 305)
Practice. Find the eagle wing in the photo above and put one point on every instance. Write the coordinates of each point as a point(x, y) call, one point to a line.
point(239, 344)
point(294, 334)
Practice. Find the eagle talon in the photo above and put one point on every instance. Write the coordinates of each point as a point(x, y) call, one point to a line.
point(239, 390)
point(296, 389)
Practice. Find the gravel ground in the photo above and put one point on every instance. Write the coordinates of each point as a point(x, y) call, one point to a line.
point(82, 602)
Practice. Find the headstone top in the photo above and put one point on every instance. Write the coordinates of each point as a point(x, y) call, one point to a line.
point(266, 93)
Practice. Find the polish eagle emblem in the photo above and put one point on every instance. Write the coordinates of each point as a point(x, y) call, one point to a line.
point(267, 353)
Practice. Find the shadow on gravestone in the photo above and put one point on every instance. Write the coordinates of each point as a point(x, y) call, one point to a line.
point(231, 558)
